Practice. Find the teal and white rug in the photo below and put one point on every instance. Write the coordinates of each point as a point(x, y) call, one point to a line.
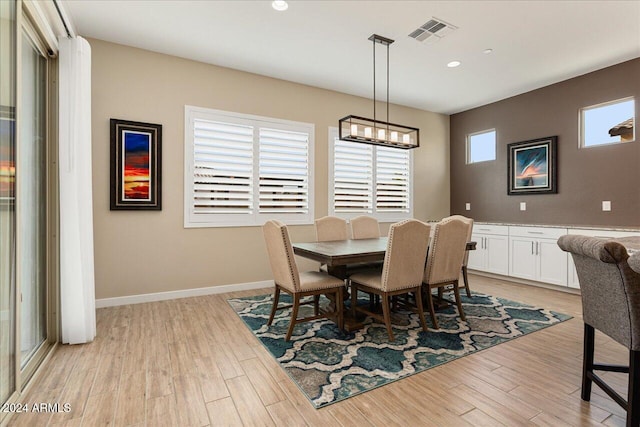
point(329, 365)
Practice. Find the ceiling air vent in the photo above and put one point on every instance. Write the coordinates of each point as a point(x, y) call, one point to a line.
point(434, 29)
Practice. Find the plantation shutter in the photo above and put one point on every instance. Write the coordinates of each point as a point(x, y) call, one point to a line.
point(392, 180)
point(283, 172)
point(223, 168)
point(353, 177)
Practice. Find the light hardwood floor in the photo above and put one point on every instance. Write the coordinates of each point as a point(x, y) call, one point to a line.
point(193, 362)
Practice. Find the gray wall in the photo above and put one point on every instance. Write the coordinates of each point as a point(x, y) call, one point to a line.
point(586, 176)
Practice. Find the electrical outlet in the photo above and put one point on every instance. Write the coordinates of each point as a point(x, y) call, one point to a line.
point(467, 206)
point(606, 205)
point(523, 206)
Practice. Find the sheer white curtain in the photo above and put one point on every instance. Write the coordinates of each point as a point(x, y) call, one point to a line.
point(77, 292)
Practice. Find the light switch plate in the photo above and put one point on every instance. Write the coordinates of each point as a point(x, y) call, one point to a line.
point(523, 206)
point(467, 206)
point(606, 205)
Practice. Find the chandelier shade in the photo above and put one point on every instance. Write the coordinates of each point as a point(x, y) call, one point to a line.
point(373, 131)
point(376, 132)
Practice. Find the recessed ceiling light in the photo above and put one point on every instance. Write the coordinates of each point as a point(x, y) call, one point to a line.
point(487, 51)
point(453, 64)
point(279, 5)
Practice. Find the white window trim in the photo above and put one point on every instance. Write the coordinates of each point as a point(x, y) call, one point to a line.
point(192, 220)
point(581, 111)
point(468, 146)
point(380, 216)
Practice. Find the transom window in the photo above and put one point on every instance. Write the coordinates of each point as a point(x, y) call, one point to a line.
point(609, 123)
point(369, 180)
point(244, 170)
point(481, 146)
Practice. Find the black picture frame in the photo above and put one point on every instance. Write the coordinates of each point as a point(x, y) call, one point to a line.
point(136, 165)
point(532, 167)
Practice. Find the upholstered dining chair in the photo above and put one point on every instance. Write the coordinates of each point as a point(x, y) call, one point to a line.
point(288, 279)
point(444, 263)
point(610, 290)
point(401, 272)
point(365, 227)
point(330, 228)
point(465, 261)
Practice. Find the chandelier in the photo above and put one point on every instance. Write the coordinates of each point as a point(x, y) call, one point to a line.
point(367, 131)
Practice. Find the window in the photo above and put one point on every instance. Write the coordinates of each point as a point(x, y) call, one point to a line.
point(244, 170)
point(481, 146)
point(609, 123)
point(369, 180)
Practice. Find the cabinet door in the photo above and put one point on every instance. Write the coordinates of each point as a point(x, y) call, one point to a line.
point(552, 262)
point(477, 258)
point(572, 274)
point(497, 254)
point(522, 258)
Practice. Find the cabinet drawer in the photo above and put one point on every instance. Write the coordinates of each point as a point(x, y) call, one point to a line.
point(537, 232)
point(490, 229)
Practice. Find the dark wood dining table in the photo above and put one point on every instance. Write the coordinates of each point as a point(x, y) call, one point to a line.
point(339, 255)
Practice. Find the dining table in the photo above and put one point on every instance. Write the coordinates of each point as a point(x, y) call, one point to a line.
point(341, 256)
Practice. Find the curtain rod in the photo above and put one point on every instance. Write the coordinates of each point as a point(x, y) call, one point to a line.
point(62, 18)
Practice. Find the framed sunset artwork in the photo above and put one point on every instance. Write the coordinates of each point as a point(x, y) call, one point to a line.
point(136, 165)
point(532, 166)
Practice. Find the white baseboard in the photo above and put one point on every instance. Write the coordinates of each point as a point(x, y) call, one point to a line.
point(162, 296)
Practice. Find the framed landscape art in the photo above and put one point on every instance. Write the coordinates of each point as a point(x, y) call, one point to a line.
point(532, 166)
point(136, 165)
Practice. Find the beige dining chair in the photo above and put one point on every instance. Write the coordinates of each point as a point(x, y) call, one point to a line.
point(365, 227)
point(610, 291)
point(299, 285)
point(401, 272)
point(330, 228)
point(465, 261)
point(444, 263)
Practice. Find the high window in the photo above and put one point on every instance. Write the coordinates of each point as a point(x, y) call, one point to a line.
point(481, 146)
point(369, 180)
point(609, 123)
point(244, 170)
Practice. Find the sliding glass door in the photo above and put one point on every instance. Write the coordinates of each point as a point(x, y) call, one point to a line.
point(31, 197)
point(27, 214)
point(7, 198)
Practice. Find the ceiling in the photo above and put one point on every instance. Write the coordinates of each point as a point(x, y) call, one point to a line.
point(325, 43)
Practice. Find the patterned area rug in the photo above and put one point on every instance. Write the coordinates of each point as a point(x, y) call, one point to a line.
point(329, 365)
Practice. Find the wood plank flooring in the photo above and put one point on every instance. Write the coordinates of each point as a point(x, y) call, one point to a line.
point(192, 362)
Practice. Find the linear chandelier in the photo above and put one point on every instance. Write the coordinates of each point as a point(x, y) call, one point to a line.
point(367, 131)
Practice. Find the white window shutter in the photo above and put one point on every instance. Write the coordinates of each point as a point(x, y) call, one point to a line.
point(284, 172)
point(223, 168)
point(392, 180)
point(352, 177)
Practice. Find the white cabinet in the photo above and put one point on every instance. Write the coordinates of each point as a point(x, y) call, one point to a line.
point(492, 249)
point(534, 254)
point(602, 233)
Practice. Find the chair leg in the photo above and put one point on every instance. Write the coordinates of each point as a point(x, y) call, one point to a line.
point(432, 311)
point(423, 322)
point(466, 280)
point(354, 299)
point(340, 308)
point(294, 316)
point(387, 315)
point(633, 397)
point(587, 361)
point(456, 291)
point(276, 298)
point(316, 305)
